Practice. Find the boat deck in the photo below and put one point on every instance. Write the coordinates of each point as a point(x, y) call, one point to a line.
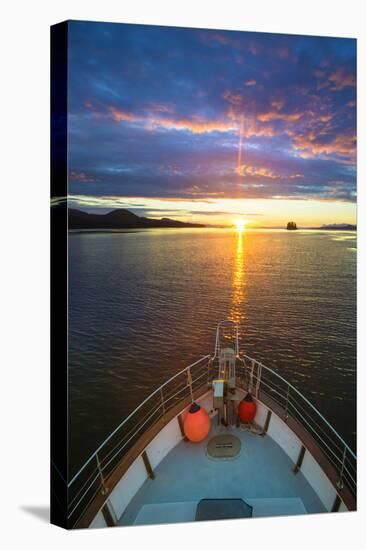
point(261, 475)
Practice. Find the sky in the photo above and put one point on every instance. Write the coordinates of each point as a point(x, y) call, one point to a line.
point(212, 126)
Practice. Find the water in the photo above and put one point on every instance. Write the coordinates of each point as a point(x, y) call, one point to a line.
point(144, 304)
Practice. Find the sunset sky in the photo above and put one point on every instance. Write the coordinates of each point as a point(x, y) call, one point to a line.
point(211, 125)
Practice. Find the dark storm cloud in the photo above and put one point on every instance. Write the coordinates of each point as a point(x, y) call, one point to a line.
point(158, 112)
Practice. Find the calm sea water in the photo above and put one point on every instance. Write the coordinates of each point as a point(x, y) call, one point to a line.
point(144, 304)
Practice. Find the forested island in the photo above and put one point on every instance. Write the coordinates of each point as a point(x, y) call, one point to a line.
point(120, 219)
point(291, 226)
point(339, 227)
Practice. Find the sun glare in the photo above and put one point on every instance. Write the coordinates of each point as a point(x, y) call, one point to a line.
point(240, 225)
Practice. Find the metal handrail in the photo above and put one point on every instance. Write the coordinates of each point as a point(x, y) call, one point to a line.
point(130, 416)
point(344, 444)
point(257, 373)
point(221, 324)
point(290, 402)
point(335, 449)
point(89, 486)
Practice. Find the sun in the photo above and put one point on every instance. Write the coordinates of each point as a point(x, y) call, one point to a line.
point(240, 225)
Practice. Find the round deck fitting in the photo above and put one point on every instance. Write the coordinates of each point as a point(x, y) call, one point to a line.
point(223, 447)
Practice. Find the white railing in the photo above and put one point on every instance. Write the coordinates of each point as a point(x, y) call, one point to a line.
point(91, 477)
point(253, 376)
point(262, 381)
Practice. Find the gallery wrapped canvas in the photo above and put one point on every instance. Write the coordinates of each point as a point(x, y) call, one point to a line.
point(203, 226)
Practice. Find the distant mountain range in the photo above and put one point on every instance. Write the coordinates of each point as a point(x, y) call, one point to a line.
point(339, 226)
point(119, 219)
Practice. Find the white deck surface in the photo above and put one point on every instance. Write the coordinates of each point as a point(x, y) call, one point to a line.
point(261, 475)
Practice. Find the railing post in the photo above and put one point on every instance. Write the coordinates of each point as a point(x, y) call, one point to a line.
point(340, 483)
point(286, 406)
point(162, 401)
point(250, 389)
point(259, 375)
point(209, 363)
point(104, 488)
point(189, 377)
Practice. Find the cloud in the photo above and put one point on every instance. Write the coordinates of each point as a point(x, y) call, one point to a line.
point(250, 82)
point(248, 125)
point(284, 53)
point(223, 39)
point(234, 99)
point(325, 118)
point(274, 115)
point(196, 125)
point(151, 122)
point(264, 173)
point(277, 104)
point(232, 40)
point(309, 145)
point(120, 116)
point(81, 177)
point(245, 170)
point(342, 78)
point(160, 108)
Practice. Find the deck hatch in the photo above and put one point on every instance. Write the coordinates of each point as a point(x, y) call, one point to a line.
point(223, 508)
point(223, 447)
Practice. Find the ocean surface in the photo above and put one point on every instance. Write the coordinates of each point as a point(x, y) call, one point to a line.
point(144, 304)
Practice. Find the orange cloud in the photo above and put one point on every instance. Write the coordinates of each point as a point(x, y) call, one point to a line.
point(250, 127)
point(272, 115)
point(81, 177)
point(232, 98)
point(261, 172)
point(195, 125)
point(119, 116)
point(341, 79)
point(325, 118)
point(341, 145)
point(151, 119)
point(92, 108)
point(245, 170)
point(277, 104)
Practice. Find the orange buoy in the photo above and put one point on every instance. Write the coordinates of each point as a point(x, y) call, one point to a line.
point(247, 408)
point(197, 423)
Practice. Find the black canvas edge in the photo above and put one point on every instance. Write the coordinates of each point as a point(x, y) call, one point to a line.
point(59, 322)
